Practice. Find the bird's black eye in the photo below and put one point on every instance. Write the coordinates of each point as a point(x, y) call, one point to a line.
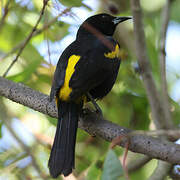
point(103, 16)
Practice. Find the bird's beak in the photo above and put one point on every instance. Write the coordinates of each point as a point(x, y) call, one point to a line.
point(118, 20)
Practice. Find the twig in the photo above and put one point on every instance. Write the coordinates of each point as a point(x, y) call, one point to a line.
point(26, 149)
point(161, 171)
point(13, 164)
point(134, 165)
point(92, 123)
point(23, 146)
point(36, 32)
point(28, 38)
point(6, 10)
point(138, 163)
point(47, 41)
point(124, 161)
point(171, 134)
point(162, 59)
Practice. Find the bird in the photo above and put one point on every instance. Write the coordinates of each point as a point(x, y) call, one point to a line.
point(87, 70)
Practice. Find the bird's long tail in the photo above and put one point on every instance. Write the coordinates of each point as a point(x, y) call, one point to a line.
point(61, 159)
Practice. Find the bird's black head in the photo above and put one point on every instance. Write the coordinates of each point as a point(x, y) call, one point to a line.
point(103, 23)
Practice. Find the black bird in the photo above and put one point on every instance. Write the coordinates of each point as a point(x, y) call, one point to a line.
point(87, 68)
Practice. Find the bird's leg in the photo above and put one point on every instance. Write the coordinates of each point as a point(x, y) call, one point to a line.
point(98, 109)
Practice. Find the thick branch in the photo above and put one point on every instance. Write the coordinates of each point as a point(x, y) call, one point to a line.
point(163, 168)
point(160, 111)
point(143, 60)
point(92, 123)
point(162, 59)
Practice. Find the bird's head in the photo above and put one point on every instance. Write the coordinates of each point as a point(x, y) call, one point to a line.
point(104, 23)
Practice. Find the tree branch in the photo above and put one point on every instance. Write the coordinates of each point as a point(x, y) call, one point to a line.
point(27, 39)
point(26, 149)
point(35, 33)
point(6, 11)
point(144, 64)
point(170, 134)
point(138, 163)
point(93, 124)
point(161, 171)
point(160, 110)
point(162, 59)
point(163, 168)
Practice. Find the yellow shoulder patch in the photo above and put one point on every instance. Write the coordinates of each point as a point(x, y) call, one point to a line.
point(113, 54)
point(65, 89)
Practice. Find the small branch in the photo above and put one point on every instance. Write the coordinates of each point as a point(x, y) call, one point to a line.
point(162, 59)
point(93, 124)
point(161, 171)
point(138, 163)
point(35, 33)
point(170, 134)
point(6, 11)
point(28, 38)
point(10, 167)
point(22, 145)
point(26, 149)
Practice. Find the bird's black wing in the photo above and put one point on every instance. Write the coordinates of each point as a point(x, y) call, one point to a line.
point(93, 68)
point(59, 74)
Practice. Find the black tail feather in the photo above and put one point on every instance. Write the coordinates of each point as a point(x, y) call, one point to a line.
point(61, 159)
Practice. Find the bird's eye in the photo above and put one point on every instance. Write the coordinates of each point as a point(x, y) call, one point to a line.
point(103, 16)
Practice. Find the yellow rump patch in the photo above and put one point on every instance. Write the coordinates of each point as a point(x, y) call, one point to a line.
point(65, 89)
point(113, 54)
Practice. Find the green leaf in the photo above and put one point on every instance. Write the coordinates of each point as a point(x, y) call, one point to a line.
point(175, 15)
point(31, 60)
point(74, 3)
point(52, 120)
point(58, 31)
point(112, 167)
point(93, 172)
point(26, 74)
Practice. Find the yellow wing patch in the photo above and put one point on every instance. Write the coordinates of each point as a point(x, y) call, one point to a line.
point(113, 54)
point(65, 89)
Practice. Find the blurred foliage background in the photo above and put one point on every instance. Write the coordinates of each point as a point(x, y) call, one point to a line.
point(26, 135)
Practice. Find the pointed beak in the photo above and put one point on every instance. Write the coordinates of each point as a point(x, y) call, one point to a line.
point(118, 20)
